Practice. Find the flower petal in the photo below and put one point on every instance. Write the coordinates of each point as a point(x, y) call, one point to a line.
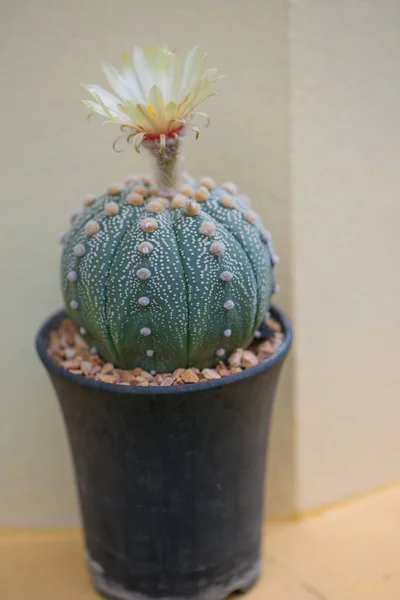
point(192, 71)
point(118, 82)
point(106, 97)
point(147, 118)
point(150, 96)
point(156, 101)
point(143, 70)
point(95, 107)
point(131, 77)
point(138, 138)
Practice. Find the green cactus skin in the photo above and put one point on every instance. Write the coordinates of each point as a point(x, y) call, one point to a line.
point(198, 293)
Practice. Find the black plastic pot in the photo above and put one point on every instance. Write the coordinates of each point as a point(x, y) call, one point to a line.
point(170, 479)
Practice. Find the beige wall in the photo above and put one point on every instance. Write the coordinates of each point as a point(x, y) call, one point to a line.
point(51, 158)
point(324, 176)
point(345, 126)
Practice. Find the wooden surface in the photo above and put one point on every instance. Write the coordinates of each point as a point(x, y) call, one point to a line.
point(350, 552)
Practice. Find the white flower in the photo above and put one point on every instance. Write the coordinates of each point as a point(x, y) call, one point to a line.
point(154, 98)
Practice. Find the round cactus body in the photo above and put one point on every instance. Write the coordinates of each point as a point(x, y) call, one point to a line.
point(162, 284)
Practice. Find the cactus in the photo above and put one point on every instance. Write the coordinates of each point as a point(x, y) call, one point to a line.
point(170, 273)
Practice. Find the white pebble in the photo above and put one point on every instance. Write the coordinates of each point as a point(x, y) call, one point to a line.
point(220, 352)
point(79, 250)
point(145, 331)
point(143, 274)
point(82, 331)
point(257, 335)
point(229, 304)
point(74, 304)
point(93, 350)
point(149, 353)
point(70, 353)
point(228, 332)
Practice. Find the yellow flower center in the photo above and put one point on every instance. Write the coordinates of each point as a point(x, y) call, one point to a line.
point(152, 111)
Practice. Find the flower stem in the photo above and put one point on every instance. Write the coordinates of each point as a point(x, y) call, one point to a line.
point(167, 163)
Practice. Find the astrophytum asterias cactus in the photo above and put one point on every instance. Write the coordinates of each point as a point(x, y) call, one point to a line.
point(166, 273)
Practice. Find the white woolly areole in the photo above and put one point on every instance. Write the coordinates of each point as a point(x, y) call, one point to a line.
point(148, 224)
point(217, 249)
point(207, 228)
point(250, 216)
point(178, 201)
point(191, 208)
point(144, 301)
point(115, 188)
point(79, 250)
point(226, 276)
point(143, 274)
point(135, 199)
point(111, 209)
point(72, 276)
point(208, 183)
point(202, 194)
point(266, 236)
point(186, 190)
point(227, 201)
point(230, 187)
point(155, 206)
point(89, 199)
point(73, 216)
point(145, 331)
point(91, 228)
point(229, 304)
point(145, 248)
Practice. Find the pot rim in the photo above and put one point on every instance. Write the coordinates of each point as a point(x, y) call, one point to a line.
point(50, 324)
